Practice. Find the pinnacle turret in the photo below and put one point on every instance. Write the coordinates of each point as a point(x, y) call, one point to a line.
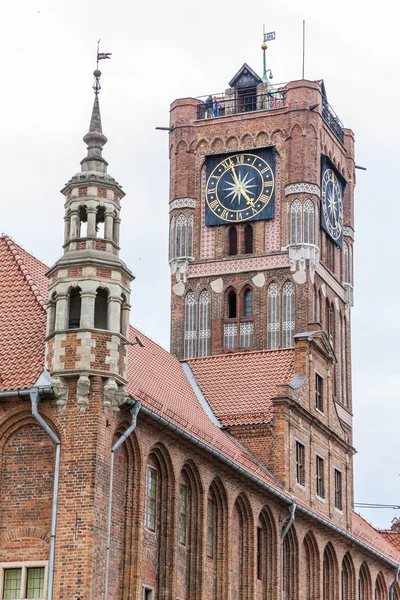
point(95, 138)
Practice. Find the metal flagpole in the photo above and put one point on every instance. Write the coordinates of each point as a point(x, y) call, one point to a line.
point(304, 45)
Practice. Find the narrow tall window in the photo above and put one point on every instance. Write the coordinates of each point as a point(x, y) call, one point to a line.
point(308, 237)
point(330, 254)
point(172, 238)
point(101, 309)
point(183, 500)
point(248, 303)
point(180, 245)
point(190, 342)
point(204, 323)
point(295, 223)
point(100, 222)
point(273, 316)
point(190, 236)
point(300, 463)
point(35, 582)
point(319, 476)
point(346, 263)
point(151, 498)
point(74, 317)
point(248, 239)
point(338, 490)
point(319, 392)
point(232, 304)
point(210, 528)
point(232, 235)
point(288, 315)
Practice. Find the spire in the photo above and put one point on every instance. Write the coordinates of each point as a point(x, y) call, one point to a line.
point(95, 138)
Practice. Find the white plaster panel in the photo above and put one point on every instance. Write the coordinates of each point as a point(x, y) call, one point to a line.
point(179, 288)
point(259, 280)
point(217, 285)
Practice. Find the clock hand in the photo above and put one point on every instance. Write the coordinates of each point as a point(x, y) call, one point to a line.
point(240, 187)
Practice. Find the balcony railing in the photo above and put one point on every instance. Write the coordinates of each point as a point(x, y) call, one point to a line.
point(332, 120)
point(223, 105)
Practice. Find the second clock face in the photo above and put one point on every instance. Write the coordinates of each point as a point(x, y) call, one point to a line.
point(239, 188)
point(332, 204)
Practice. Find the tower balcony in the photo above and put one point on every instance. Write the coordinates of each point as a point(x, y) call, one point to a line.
point(235, 101)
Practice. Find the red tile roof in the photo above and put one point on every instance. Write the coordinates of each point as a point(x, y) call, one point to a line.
point(239, 387)
point(22, 316)
point(393, 537)
point(373, 537)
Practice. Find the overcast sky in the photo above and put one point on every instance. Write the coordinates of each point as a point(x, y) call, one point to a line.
point(166, 50)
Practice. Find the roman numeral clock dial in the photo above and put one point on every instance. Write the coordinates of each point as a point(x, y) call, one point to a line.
point(332, 189)
point(239, 188)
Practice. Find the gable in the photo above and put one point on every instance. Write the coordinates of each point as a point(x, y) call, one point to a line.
point(245, 77)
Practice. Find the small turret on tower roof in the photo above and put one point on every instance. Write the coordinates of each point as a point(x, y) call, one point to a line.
point(95, 138)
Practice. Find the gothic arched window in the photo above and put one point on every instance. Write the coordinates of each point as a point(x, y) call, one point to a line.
point(290, 565)
point(190, 343)
point(329, 574)
point(274, 329)
point(295, 223)
point(364, 583)
point(180, 246)
point(231, 304)
point(248, 239)
point(348, 579)
point(233, 242)
point(101, 309)
point(204, 323)
point(74, 313)
point(380, 587)
point(288, 315)
point(248, 303)
point(308, 237)
point(312, 566)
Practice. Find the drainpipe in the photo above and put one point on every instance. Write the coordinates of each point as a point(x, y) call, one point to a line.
point(34, 394)
point(292, 509)
point(394, 582)
point(134, 413)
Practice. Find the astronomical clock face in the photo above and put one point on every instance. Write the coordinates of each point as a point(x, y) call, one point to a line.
point(240, 187)
point(332, 188)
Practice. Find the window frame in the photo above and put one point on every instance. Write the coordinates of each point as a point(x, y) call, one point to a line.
point(319, 393)
point(320, 477)
point(182, 514)
point(149, 499)
point(300, 464)
point(24, 565)
point(338, 492)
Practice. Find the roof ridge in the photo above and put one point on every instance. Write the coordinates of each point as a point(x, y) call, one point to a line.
point(13, 248)
point(237, 354)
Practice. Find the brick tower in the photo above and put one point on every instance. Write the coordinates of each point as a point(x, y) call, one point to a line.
point(86, 355)
point(261, 248)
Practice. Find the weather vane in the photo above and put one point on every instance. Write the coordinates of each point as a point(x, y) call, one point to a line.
point(267, 37)
point(97, 72)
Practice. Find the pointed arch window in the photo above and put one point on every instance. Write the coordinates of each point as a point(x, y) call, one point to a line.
point(274, 329)
point(288, 315)
point(172, 238)
point(204, 323)
point(364, 583)
point(75, 303)
point(101, 309)
point(180, 246)
point(347, 582)
point(248, 303)
point(309, 222)
point(190, 341)
point(295, 223)
point(248, 239)
point(231, 306)
point(233, 241)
